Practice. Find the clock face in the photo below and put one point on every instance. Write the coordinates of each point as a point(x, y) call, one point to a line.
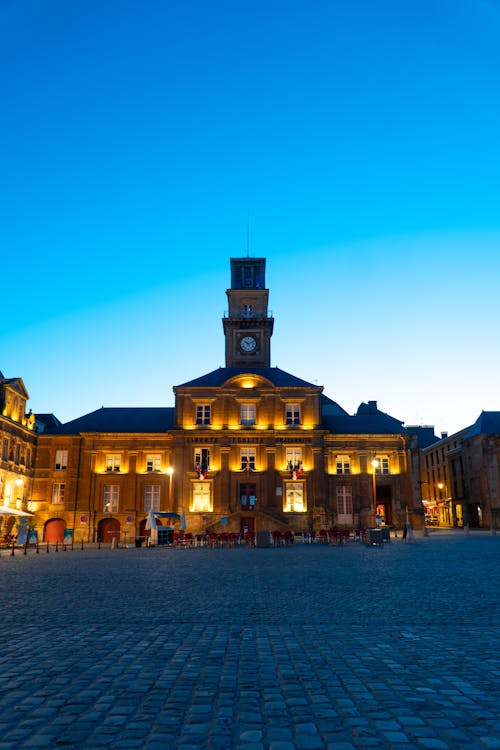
point(248, 343)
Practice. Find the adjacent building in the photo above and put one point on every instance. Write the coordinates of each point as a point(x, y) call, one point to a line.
point(460, 475)
point(17, 454)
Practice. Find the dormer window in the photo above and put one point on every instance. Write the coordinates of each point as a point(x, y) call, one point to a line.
point(292, 414)
point(203, 414)
point(247, 414)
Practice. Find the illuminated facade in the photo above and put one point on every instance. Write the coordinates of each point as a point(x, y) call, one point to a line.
point(246, 447)
point(17, 453)
point(460, 475)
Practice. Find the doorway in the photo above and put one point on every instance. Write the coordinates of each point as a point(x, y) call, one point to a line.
point(384, 503)
point(247, 496)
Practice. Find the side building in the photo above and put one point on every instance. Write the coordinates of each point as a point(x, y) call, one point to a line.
point(246, 447)
point(460, 475)
point(17, 454)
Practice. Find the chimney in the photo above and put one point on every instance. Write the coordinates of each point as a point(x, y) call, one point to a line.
point(444, 435)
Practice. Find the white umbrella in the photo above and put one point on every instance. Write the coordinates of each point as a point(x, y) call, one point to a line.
point(6, 511)
point(151, 520)
point(183, 520)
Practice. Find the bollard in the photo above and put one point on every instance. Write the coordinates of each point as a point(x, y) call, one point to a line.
point(37, 548)
point(47, 550)
point(12, 553)
point(57, 546)
point(81, 545)
point(64, 548)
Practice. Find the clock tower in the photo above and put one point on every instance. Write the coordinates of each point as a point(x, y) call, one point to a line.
point(248, 327)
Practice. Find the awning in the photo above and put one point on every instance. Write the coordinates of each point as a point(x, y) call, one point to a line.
point(5, 510)
point(161, 514)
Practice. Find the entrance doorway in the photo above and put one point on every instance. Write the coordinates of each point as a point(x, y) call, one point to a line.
point(108, 529)
point(54, 531)
point(384, 503)
point(247, 496)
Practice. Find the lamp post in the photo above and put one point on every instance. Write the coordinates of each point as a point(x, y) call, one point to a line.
point(170, 471)
point(375, 465)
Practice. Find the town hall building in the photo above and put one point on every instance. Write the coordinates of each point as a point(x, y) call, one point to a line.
point(246, 447)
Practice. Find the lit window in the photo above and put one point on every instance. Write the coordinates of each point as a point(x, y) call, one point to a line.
point(343, 465)
point(151, 497)
point(201, 501)
point(113, 462)
point(344, 504)
point(383, 465)
point(202, 460)
point(294, 498)
point(111, 497)
point(61, 460)
point(153, 463)
point(58, 494)
point(203, 414)
point(247, 458)
point(293, 458)
point(247, 413)
point(292, 414)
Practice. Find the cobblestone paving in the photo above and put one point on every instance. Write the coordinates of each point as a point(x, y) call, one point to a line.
point(298, 648)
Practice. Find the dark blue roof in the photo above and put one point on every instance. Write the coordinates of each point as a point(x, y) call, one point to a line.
point(277, 377)
point(373, 424)
point(488, 423)
point(121, 419)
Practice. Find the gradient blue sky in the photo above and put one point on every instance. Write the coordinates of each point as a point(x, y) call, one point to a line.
point(361, 137)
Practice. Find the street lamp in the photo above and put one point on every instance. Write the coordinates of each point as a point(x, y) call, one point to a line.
point(170, 471)
point(375, 465)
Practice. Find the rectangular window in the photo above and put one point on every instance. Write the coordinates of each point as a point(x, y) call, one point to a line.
point(111, 496)
point(247, 458)
point(344, 504)
point(247, 413)
point(203, 414)
point(292, 414)
point(343, 465)
point(293, 459)
point(17, 454)
point(28, 458)
point(294, 498)
point(113, 462)
point(58, 494)
point(153, 462)
point(202, 460)
point(61, 460)
point(201, 500)
point(383, 465)
point(151, 497)
point(5, 449)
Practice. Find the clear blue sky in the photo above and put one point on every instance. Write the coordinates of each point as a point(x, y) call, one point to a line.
point(362, 139)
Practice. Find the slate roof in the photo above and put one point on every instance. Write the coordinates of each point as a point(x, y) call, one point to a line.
point(216, 378)
point(45, 422)
point(119, 419)
point(367, 421)
point(488, 423)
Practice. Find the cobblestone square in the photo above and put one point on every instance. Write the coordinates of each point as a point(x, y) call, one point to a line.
point(290, 648)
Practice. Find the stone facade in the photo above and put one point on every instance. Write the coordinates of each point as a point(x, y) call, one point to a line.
point(246, 447)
